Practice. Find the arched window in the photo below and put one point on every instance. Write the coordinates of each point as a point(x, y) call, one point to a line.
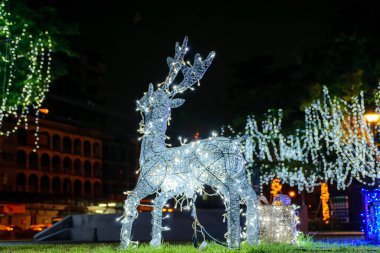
point(78, 187)
point(97, 170)
point(97, 150)
point(87, 148)
point(21, 182)
point(33, 161)
point(77, 147)
point(77, 167)
point(97, 189)
point(67, 165)
point(33, 183)
point(67, 145)
point(21, 159)
point(45, 162)
point(67, 186)
point(56, 185)
point(87, 188)
point(44, 140)
point(87, 169)
point(22, 136)
point(56, 142)
point(45, 184)
point(56, 164)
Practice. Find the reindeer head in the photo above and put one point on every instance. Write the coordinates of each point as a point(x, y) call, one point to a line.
point(156, 105)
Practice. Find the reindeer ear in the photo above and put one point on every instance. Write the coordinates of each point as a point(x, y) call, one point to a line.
point(177, 102)
point(150, 90)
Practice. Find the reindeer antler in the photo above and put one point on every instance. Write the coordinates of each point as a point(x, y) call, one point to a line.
point(176, 63)
point(191, 74)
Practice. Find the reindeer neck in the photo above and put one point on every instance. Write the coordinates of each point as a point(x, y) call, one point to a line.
point(153, 140)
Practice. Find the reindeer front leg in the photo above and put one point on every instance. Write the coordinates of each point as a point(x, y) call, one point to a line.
point(130, 213)
point(159, 203)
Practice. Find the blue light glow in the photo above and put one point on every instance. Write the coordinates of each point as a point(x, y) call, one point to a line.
point(371, 216)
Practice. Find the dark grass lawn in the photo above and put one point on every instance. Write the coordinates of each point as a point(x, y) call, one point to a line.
point(303, 246)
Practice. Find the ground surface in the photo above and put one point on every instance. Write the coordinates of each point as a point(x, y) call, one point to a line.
point(187, 248)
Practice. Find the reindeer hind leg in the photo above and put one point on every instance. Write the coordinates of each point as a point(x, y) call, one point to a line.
point(250, 198)
point(233, 216)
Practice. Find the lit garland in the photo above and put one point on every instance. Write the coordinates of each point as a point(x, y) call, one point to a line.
point(183, 171)
point(325, 196)
point(25, 69)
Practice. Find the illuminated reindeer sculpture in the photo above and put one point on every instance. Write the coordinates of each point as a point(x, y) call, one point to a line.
point(169, 172)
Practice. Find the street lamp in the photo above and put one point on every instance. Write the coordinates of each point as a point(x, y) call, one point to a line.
point(372, 117)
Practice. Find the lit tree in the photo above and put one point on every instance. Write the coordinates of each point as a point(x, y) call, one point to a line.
point(25, 69)
point(336, 146)
point(29, 37)
point(278, 155)
point(341, 144)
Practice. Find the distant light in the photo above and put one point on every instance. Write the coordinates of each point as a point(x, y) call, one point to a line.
point(292, 194)
point(111, 204)
point(102, 205)
point(43, 110)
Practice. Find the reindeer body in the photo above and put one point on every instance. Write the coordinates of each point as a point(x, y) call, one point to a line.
point(216, 162)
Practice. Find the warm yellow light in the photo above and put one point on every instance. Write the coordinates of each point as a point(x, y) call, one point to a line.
point(292, 194)
point(372, 117)
point(325, 202)
point(43, 110)
point(276, 187)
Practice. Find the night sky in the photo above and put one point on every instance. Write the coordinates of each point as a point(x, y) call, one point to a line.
point(137, 36)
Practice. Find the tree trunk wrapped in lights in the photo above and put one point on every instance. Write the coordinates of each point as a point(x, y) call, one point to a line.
point(168, 172)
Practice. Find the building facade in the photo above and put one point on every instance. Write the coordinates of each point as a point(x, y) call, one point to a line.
point(64, 173)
